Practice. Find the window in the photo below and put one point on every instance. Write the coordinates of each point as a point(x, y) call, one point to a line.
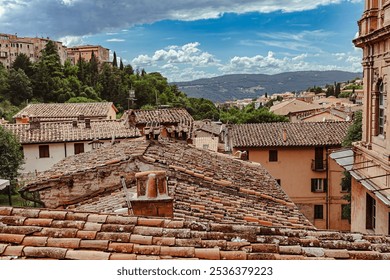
point(206, 146)
point(273, 155)
point(381, 109)
point(319, 185)
point(318, 211)
point(345, 212)
point(78, 148)
point(44, 151)
point(370, 212)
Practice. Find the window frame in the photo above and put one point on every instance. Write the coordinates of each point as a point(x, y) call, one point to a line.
point(273, 155)
point(44, 151)
point(318, 212)
point(370, 212)
point(319, 185)
point(78, 149)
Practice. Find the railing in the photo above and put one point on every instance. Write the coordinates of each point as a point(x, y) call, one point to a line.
point(318, 165)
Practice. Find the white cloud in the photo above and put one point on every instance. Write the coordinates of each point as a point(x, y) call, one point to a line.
point(186, 54)
point(115, 40)
point(82, 17)
point(72, 40)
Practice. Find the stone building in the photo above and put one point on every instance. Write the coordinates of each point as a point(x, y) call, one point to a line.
point(371, 169)
point(296, 155)
point(12, 45)
point(85, 52)
point(222, 209)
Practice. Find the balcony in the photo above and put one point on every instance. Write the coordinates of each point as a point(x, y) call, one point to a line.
point(318, 165)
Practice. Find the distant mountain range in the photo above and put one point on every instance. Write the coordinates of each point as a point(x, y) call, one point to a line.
point(240, 86)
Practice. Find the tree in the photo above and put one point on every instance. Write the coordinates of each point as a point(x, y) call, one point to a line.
point(22, 61)
point(20, 88)
point(355, 130)
point(114, 61)
point(11, 156)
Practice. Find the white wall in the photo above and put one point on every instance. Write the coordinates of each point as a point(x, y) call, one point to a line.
point(57, 152)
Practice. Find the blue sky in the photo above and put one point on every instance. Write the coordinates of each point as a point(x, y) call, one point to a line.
point(187, 40)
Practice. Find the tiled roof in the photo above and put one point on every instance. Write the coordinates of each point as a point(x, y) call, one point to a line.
point(206, 186)
point(210, 127)
point(170, 115)
point(64, 234)
point(51, 132)
point(293, 106)
point(54, 111)
point(286, 134)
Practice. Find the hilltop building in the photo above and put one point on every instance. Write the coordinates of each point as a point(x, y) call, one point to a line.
point(371, 169)
point(85, 52)
point(12, 45)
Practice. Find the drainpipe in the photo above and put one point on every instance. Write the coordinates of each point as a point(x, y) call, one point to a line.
point(327, 189)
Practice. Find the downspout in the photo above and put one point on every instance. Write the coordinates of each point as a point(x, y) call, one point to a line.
point(66, 154)
point(327, 202)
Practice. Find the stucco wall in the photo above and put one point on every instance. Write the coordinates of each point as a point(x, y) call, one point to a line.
point(294, 169)
point(358, 222)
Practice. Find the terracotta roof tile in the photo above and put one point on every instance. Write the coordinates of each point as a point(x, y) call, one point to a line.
point(146, 249)
point(20, 230)
point(171, 115)
point(241, 242)
point(52, 132)
point(58, 232)
point(65, 110)
point(16, 251)
point(233, 255)
point(86, 234)
point(163, 241)
point(120, 247)
point(35, 241)
point(139, 239)
point(185, 252)
point(68, 224)
point(45, 252)
point(51, 214)
point(94, 244)
point(113, 236)
point(297, 134)
point(26, 212)
point(116, 256)
point(86, 255)
point(11, 238)
point(38, 222)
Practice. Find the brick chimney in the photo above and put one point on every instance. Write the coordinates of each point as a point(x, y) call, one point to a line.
point(152, 195)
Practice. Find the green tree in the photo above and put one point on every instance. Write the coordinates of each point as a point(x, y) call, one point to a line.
point(22, 61)
point(114, 61)
point(354, 131)
point(20, 87)
point(11, 156)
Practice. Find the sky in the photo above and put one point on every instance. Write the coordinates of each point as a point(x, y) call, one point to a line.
point(186, 40)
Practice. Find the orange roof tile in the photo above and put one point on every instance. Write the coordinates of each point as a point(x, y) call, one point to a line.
point(202, 240)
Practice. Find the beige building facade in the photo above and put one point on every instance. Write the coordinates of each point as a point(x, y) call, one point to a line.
point(371, 170)
point(12, 45)
point(296, 155)
point(85, 53)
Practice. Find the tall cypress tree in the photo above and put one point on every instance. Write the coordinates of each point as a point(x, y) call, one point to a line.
point(114, 62)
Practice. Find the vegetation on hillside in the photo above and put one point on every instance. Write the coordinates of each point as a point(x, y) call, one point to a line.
point(47, 80)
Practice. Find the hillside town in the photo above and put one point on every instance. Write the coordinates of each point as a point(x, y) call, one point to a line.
point(134, 176)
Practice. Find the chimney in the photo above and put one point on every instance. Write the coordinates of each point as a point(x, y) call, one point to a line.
point(152, 195)
point(284, 135)
point(87, 123)
point(35, 123)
